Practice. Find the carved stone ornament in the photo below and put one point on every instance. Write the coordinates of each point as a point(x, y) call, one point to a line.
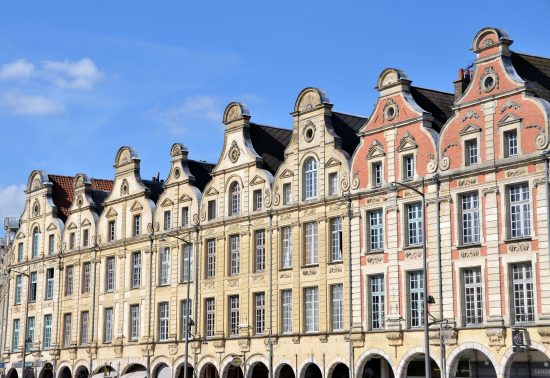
point(119, 347)
point(232, 282)
point(323, 338)
point(91, 350)
point(395, 338)
point(469, 253)
point(492, 189)
point(373, 200)
point(376, 150)
point(467, 182)
point(413, 254)
point(177, 172)
point(544, 333)
point(296, 339)
point(391, 110)
point(469, 115)
point(344, 183)
point(375, 259)
point(36, 208)
point(234, 152)
point(258, 278)
point(208, 284)
point(72, 352)
point(276, 196)
point(79, 201)
point(267, 197)
point(335, 268)
point(538, 182)
point(309, 131)
point(407, 142)
point(497, 337)
point(516, 172)
point(489, 80)
point(431, 167)
point(234, 114)
point(519, 247)
point(244, 345)
point(173, 349)
point(285, 275)
point(124, 188)
point(355, 180)
point(309, 272)
point(510, 104)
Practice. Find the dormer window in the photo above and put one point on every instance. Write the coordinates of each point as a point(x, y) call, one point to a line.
point(310, 179)
point(408, 167)
point(511, 143)
point(234, 199)
point(471, 152)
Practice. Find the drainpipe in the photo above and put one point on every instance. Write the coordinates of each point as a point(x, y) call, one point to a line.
point(270, 341)
point(91, 342)
point(150, 302)
point(441, 341)
point(350, 286)
point(196, 299)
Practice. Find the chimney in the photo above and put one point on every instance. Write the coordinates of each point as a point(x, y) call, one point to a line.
point(462, 83)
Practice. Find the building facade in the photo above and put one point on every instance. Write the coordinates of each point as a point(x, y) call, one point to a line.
point(300, 250)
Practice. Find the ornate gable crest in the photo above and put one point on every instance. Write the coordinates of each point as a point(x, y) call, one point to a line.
point(111, 213)
point(124, 189)
point(287, 173)
point(257, 180)
point(136, 206)
point(20, 236)
point(167, 202)
point(234, 152)
point(470, 129)
point(408, 142)
point(211, 192)
point(332, 162)
point(508, 119)
point(376, 150)
point(185, 198)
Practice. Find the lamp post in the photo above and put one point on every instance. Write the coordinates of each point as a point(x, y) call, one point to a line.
point(427, 360)
point(26, 314)
point(187, 324)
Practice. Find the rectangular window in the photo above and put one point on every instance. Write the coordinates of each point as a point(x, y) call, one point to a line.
point(51, 244)
point(311, 295)
point(167, 220)
point(211, 209)
point(259, 313)
point(110, 274)
point(377, 301)
point(408, 168)
point(511, 143)
point(336, 239)
point(333, 183)
point(136, 269)
point(134, 322)
point(163, 321)
point(520, 212)
point(72, 238)
point(69, 271)
point(86, 276)
point(235, 250)
point(310, 243)
point(375, 230)
point(34, 282)
point(108, 326)
point(376, 174)
point(210, 317)
point(84, 319)
point(47, 336)
point(67, 325)
point(187, 261)
point(137, 225)
point(470, 218)
point(287, 194)
point(49, 283)
point(473, 296)
point(164, 274)
point(30, 333)
point(15, 335)
point(85, 237)
point(210, 258)
point(337, 299)
point(185, 216)
point(416, 297)
point(20, 252)
point(286, 245)
point(258, 200)
point(186, 308)
point(471, 152)
point(524, 299)
point(286, 308)
point(259, 247)
point(414, 224)
point(234, 315)
point(111, 231)
point(18, 288)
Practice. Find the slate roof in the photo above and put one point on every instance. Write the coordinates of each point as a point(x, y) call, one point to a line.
point(439, 104)
point(201, 170)
point(347, 126)
point(156, 188)
point(270, 143)
point(536, 71)
point(63, 192)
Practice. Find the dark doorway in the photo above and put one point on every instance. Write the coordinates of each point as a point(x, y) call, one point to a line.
point(47, 371)
point(12, 374)
point(65, 373)
point(82, 372)
point(417, 368)
point(181, 371)
point(209, 371)
point(313, 371)
point(234, 372)
point(286, 372)
point(259, 370)
point(529, 363)
point(340, 371)
point(377, 367)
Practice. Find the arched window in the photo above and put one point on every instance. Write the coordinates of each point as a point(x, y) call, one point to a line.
point(234, 199)
point(310, 179)
point(35, 243)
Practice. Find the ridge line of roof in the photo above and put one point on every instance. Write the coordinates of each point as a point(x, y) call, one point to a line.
point(534, 56)
point(432, 90)
point(352, 115)
point(269, 126)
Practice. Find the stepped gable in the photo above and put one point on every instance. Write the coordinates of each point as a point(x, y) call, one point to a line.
point(270, 143)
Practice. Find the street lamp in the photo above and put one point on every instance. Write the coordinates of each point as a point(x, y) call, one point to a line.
point(427, 360)
point(25, 340)
point(188, 322)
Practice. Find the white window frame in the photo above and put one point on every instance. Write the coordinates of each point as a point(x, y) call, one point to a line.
point(472, 284)
point(234, 314)
point(111, 230)
point(69, 280)
point(310, 178)
point(377, 301)
point(86, 277)
point(471, 152)
point(136, 269)
point(50, 282)
point(185, 216)
point(523, 293)
point(414, 225)
point(187, 263)
point(137, 224)
point(286, 245)
point(377, 174)
point(415, 288)
point(311, 309)
point(18, 289)
point(134, 314)
point(286, 309)
point(470, 219)
point(336, 239)
point(67, 326)
point(15, 335)
point(333, 187)
point(375, 230)
point(408, 165)
point(84, 323)
point(259, 251)
point(234, 198)
point(287, 193)
point(110, 274)
point(337, 307)
point(210, 317)
point(108, 321)
point(235, 254)
point(47, 336)
point(259, 313)
point(311, 243)
point(185, 308)
point(164, 321)
point(257, 197)
point(210, 258)
point(167, 219)
point(519, 210)
point(164, 266)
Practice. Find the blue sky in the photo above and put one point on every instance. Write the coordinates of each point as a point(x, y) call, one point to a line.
point(79, 79)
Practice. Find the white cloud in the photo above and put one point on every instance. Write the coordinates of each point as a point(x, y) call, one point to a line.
point(19, 69)
point(193, 109)
point(81, 74)
point(22, 104)
point(12, 201)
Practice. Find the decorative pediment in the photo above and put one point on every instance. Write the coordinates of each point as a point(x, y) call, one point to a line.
point(332, 162)
point(71, 226)
point(508, 119)
point(408, 142)
point(20, 236)
point(287, 173)
point(167, 203)
point(136, 206)
point(470, 129)
point(51, 227)
point(111, 213)
point(257, 180)
point(86, 223)
point(211, 192)
point(185, 198)
point(376, 150)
